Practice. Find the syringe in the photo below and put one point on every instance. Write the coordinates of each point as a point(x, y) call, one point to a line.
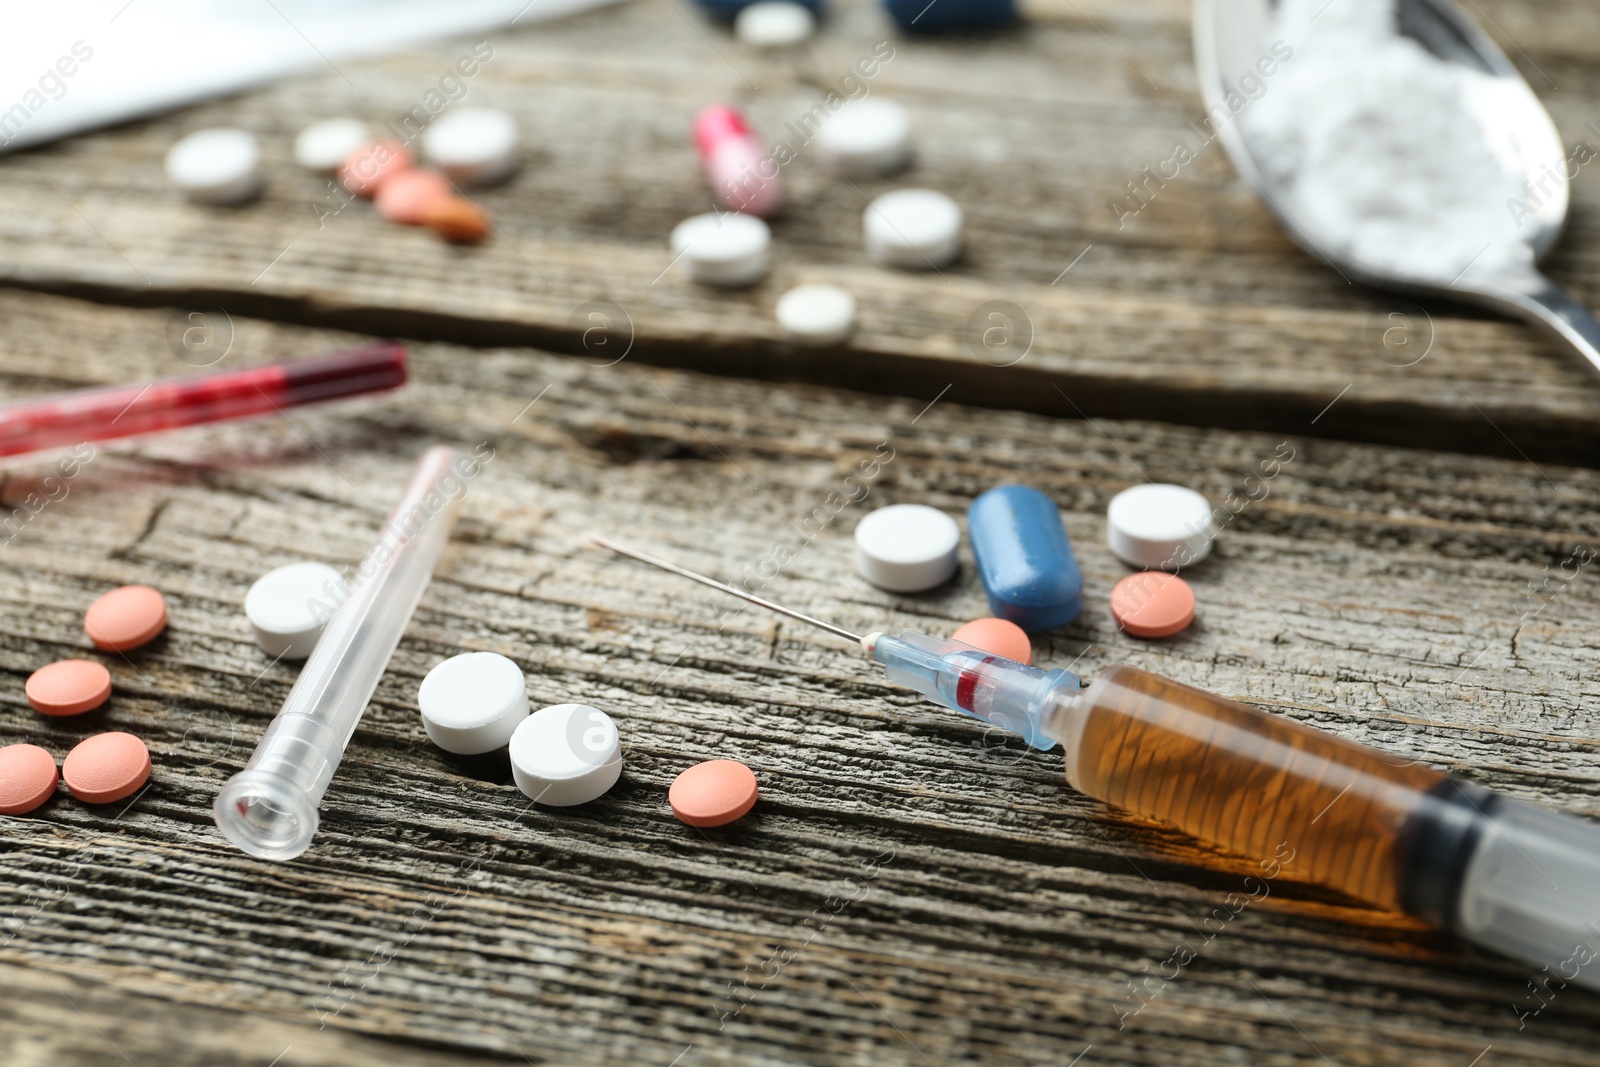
point(1502, 873)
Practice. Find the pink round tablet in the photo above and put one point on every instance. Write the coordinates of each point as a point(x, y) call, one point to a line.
point(366, 169)
point(69, 687)
point(713, 793)
point(1000, 636)
point(407, 198)
point(106, 768)
point(126, 618)
point(1152, 604)
point(27, 778)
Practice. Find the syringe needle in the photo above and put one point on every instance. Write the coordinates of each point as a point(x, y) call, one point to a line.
point(724, 587)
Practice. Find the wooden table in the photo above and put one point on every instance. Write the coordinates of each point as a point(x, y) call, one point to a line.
point(910, 889)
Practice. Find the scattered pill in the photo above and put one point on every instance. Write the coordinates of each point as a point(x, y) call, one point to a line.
point(125, 618)
point(774, 23)
point(817, 314)
point(288, 606)
point(915, 228)
point(106, 768)
point(743, 175)
point(457, 220)
point(1024, 558)
point(866, 138)
point(1152, 604)
point(220, 166)
point(921, 18)
point(368, 167)
point(405, 198)
point(907, 548)
point(473, 702)
point(473, 145)
point(68, 687)
point(729, 250)
point(323, 145)
point(713, 793)
point(565, 755)
point(1000, 636)
point(27, 778)
point(1165, 527)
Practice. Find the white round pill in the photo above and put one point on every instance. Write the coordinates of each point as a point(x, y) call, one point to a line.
point(1163, 527)
point(866, 138)
point(915, 228)
point(730, 249)
point(817, 314)
point(323, 145)
point(567, 754)
point(774, 23)
point(473, 146)
point(473, 702)
point(288, 606)
point(907, 548)
point(220, 166)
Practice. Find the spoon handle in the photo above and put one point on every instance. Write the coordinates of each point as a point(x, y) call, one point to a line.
point(1535, 297)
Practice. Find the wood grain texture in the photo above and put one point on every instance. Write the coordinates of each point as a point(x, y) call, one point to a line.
point(1198, 300)
point(909, 890)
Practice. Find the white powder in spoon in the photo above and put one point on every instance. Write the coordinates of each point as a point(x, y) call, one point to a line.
point(1377, 150)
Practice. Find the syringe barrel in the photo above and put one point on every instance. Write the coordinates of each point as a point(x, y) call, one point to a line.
point(269, 809)
point(1382, 828)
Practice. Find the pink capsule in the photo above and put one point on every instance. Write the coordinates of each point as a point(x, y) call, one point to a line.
point(742, 173)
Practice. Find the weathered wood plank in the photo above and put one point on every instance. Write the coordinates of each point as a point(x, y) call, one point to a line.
point(993, 915)
point(1196, 309)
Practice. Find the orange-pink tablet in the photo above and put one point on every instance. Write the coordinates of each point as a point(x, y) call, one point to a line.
point(27, 778)
point(368, 167)
point(713, 793)
point(106, 768)
point(1152, 604)
point(68, 687)
point(126, 618)
point(1000, 636)
point(406, 198)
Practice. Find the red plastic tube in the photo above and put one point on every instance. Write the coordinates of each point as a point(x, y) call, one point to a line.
point(111, 412)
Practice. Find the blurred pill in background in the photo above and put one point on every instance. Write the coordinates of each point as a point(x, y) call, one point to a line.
point(1024, 558)
point(458, 220)
point(774, 23)
point(473, 145)
point(217, 166)
point(866, 138)
point(907, 548)
point(730, 250)
point(369, 166)
point(999, 636)
point(323, 145)
point(917, 229)
point(406, 198)
point(817, 314)
point(742, 172)
point(921, 16)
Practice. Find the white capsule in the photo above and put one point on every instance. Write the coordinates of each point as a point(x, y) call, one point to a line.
point(473, 146)
point(731, 249)
point(817, 314)
point(774, 23)
point(915, 228)
point(567, 754)
point(866, 138)
point(220, 166)
point(323, 145)
point(473, 703)
point(907, 548)
point(1159, 526)
point(288, 606)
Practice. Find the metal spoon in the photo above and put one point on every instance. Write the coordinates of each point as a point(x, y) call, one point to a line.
point(1230, 36)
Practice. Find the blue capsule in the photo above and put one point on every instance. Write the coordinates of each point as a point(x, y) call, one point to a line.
point(1024, 558)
